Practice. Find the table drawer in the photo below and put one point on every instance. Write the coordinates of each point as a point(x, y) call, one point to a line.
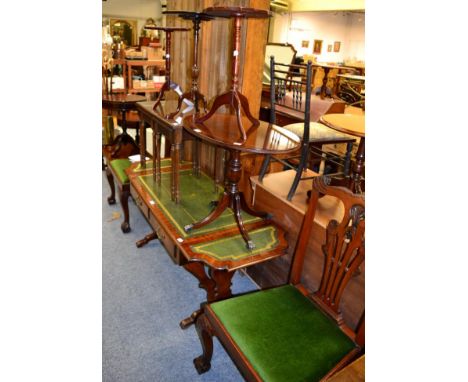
point(166, 240)
point(139, 202)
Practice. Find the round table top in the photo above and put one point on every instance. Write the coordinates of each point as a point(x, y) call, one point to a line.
point(352, 76)
point(222, 130)
point(352, 124)
point(168, 29)
point(190, 15)
point(121, 99)
point(237, 12)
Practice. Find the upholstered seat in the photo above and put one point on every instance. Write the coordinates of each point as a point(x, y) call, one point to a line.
point(268, 326)
point(119, 166)
point(291, 333)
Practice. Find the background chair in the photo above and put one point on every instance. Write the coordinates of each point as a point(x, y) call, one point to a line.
point(288, 333)
point(313, 134)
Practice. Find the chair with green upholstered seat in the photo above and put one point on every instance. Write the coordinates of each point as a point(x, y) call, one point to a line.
point(117, 167)
point(288, 333)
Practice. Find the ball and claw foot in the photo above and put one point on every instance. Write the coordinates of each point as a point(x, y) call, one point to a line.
point(125, 227)
point(201, 365)
point(188, 227)
point(110, 200)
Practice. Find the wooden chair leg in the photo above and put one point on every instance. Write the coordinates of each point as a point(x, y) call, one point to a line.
point(264, 168)
point(205, 333)
point(110, 179)
point(300, 168)
point(124, 194)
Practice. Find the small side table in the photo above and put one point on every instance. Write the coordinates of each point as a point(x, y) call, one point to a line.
point(122, 103)
point(233, 97)
point(168, 85)
point(354, 125)
point(261, 138)
point(194, 94)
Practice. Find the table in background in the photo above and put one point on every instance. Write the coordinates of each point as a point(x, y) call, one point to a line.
point(354, 125)
point(122, 103)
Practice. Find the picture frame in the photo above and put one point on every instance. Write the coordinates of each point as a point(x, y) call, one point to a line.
point(336, 46)
point(330, 48)
point(317, 46)
point(305, 44)
point(124, 30)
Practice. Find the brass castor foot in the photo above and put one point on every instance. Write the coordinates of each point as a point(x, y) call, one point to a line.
point(250, 245)
point(201, 365)
point(188, 227)
point(111, 200)
point(125, 227)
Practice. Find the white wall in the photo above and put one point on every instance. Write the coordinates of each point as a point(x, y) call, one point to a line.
point(139, 10)
point(346, 27)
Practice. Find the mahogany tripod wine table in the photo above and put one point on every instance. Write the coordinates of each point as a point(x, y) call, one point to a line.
point(233, 97)
point(194, 94)
point(168, 85)
point(122, 103)
point(262, 138)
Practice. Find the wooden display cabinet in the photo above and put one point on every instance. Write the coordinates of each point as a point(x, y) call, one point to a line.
point(159, 64)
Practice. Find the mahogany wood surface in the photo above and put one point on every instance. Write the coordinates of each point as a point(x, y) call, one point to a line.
point(175, 134)
point(344, 252)
point(168, 84)
point(193, 94)
point(122, 103)
point(262, 138)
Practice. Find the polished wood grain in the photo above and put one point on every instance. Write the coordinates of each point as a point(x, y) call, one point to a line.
point(262, 138)
point(175, 134)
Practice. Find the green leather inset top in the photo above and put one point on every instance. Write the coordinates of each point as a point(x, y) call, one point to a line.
point(196, 196)
point(119, 166)
point(233, 247)
point(283, 334)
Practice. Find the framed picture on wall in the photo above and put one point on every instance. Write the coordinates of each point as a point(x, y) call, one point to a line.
point(318, 46)
point(305, 43)
point(329, 48)
point(336, 46)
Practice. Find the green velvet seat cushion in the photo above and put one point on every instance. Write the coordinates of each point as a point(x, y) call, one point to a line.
point(119, 166)
point(283, 334)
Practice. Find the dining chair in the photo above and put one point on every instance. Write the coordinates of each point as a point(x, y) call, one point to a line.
point(313, 135)
point(289, 333)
